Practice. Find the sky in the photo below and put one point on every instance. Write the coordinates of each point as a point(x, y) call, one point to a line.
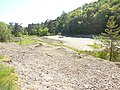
point(36, 11)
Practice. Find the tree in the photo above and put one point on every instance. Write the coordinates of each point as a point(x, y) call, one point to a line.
point(17, 28)
point(5, 32)
point(43, 31)
point(110, 38)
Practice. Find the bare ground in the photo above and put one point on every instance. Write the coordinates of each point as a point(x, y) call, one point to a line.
point(43, 67)
point(76, 42)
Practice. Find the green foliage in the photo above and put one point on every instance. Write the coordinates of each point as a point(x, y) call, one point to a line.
point(59, 34)
point(17, 30)
point(37, 29)
point(95, 46)
point(21, 36)
point(109, 42)
point(88, 19)
point(43, 32)
point(3, 58)
point(8, 79)
point(5, 33)
point(27, 40)
point(103, 54)
point(111, 38)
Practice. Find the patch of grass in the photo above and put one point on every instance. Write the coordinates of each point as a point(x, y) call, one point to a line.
point(2, 56)
point(99, 54)
point(4, 59)
point(8, 78)
point(27, 40)
point(95, 46)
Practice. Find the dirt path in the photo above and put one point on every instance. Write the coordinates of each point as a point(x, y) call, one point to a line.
point(55, 68)
point(78, 43)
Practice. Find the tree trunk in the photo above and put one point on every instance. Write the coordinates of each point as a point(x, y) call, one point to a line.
point(111, 50)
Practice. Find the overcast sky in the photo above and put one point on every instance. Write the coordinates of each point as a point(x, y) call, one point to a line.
point(34, 11)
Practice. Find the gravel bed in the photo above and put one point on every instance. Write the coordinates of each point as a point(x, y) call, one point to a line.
point(43, 67)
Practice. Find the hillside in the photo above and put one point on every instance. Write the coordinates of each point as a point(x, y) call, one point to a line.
point(89, 19)
point(43, 67)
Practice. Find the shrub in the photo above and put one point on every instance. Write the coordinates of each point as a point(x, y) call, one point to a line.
point(5, 33)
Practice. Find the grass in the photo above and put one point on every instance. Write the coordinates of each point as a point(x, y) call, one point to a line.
point(3, 58)
point(95, 46)
point(27, 40)
point(8, 79)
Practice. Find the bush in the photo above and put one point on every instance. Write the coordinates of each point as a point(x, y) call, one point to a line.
point(5, 33)
point(43, 32)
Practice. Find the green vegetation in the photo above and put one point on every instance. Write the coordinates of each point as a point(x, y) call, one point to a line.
point(5, 33)
point(103, 54)
point(110, 40)
point(88, 19)
point(95, 46)
point(1, 57)
point(17, 29)
point(37, 29)
point(26, 40)
point(8, 79)
point(43, 32)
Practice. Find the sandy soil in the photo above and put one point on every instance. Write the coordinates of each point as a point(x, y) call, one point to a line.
point(78, 43)
point(43, 67)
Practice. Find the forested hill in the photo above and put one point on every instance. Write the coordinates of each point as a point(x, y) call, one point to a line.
point(89, 19)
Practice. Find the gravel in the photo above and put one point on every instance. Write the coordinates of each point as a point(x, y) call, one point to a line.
point(45, 67)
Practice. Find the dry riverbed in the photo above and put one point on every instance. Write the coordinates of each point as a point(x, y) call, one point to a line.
point(75, 42)
point(44, 67)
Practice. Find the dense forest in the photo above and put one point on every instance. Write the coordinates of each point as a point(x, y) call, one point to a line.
point(88, 19)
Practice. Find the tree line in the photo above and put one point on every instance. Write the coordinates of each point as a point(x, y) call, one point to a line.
point(88, 19)
point(8, 32)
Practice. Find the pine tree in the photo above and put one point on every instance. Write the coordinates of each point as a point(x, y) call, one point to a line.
point(111, 38)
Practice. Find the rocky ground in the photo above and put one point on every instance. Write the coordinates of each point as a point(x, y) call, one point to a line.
point(43, 67)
